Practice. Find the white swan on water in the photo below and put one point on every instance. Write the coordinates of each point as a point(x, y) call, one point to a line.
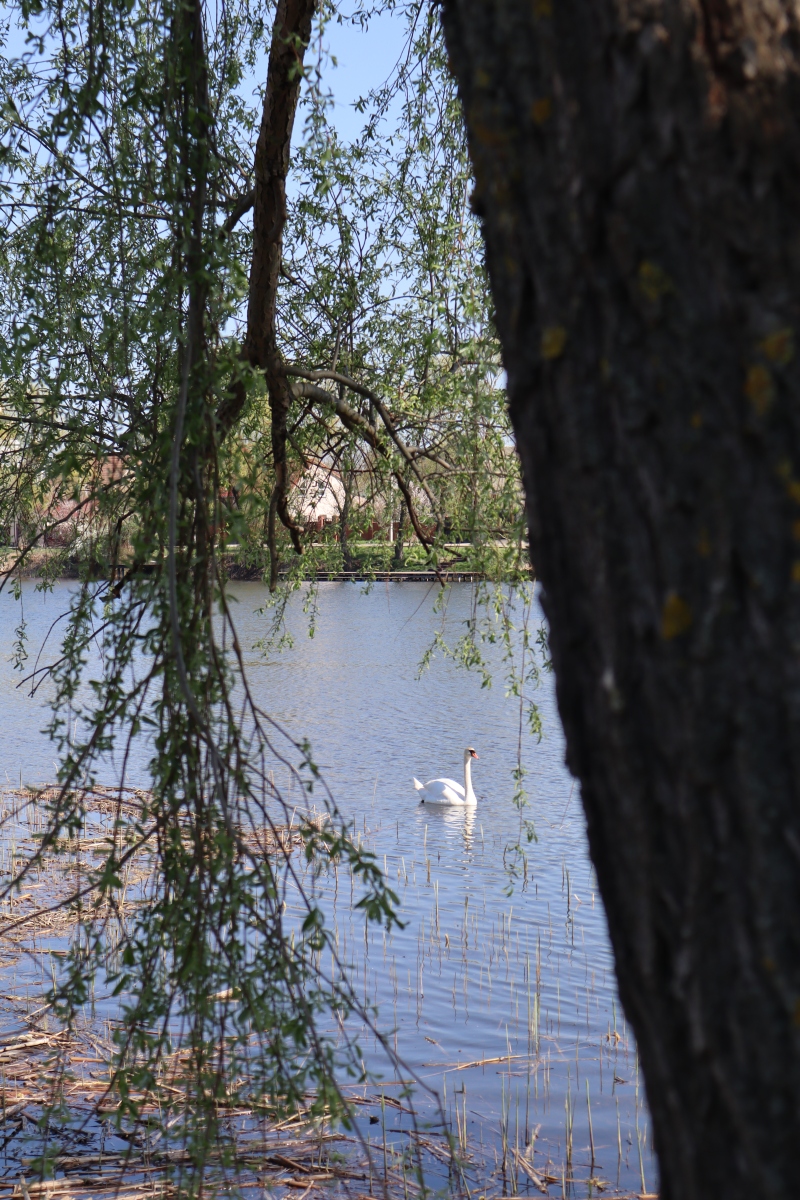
point(447, 791)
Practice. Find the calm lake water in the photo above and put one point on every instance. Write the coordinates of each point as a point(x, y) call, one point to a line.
point(512, 976)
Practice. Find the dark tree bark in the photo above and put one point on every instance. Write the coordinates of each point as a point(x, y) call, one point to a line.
point(638, 177)
point(397, 555)
point(348, 562)
point(290, 36)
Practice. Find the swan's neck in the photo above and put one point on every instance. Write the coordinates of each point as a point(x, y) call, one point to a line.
point(468, 792)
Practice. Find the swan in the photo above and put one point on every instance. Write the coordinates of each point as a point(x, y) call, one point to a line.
point(447, 791)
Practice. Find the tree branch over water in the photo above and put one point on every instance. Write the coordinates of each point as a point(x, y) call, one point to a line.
point(174, 386)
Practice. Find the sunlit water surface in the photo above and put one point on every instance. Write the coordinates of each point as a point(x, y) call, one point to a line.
point(498, 992)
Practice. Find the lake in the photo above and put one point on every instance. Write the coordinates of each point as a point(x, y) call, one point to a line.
point(498, 992)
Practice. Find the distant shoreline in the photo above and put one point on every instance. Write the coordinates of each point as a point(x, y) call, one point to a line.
point(35, 567)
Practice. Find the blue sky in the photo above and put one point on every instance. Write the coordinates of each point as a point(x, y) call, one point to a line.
point(364, 60)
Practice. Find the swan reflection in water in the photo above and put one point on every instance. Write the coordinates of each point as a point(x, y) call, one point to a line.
point(459, 818)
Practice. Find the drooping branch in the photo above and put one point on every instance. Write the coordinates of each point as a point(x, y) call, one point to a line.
point(356, 423)
point(95, 435)
point(349, 416)
point(409, 453)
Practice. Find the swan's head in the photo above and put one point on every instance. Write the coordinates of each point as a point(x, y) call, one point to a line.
point(469, 753)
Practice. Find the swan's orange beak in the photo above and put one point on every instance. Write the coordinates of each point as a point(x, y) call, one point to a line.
point(474, 755)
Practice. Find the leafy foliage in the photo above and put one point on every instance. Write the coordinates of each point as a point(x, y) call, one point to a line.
point(138, 434)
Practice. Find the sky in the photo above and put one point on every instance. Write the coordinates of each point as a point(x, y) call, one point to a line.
point(364, 59)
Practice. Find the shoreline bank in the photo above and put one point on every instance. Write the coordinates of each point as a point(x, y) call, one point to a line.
point(37, 564)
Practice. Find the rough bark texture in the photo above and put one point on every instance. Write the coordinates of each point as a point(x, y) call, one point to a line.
point(638, 176)
point(290, 37)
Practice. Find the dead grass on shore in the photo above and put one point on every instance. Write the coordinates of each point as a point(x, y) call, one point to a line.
point(46, 1069)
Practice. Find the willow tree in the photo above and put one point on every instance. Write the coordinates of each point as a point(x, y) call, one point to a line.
point(637, 179)
point(168, 369)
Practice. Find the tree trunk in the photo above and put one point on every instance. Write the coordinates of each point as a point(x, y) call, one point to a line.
point(291, 32)
point(348, 562)
point(638, 177)
point(397, 556)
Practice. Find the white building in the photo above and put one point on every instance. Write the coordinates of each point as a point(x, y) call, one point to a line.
point(318, 495)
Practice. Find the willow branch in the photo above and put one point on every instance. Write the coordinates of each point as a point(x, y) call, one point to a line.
point(353, 420)
point(410, 454)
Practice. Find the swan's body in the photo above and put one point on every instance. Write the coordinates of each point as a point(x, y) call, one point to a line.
point(447, 791)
